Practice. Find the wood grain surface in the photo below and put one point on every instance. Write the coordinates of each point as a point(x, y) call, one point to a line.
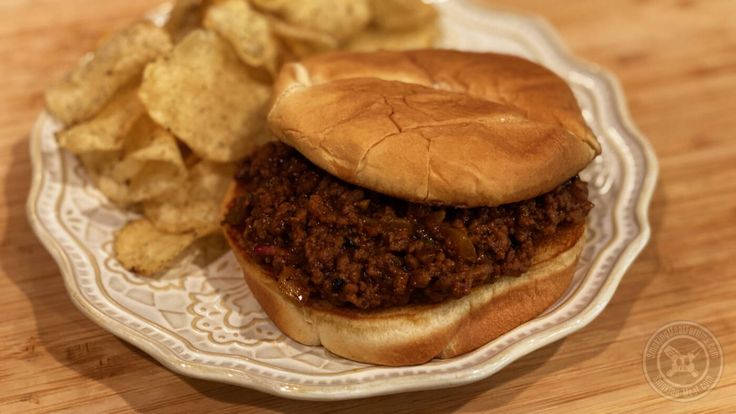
point(676, 60)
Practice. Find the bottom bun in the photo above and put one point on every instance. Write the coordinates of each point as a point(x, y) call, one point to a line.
point(415, 334)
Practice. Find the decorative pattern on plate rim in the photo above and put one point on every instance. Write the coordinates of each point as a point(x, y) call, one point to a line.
point(203, 321)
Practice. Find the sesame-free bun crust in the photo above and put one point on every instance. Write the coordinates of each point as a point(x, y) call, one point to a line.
point(434, 126)
point(415, 334)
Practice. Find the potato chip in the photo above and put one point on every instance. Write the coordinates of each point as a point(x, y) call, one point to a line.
point(301, 42)
point(185, 16)
point(209, 248)
point(339, 19)
point(376, 39)
point(145, 250)
point(151, 164)
point(247, 31)
point(395, 15)
point(272, 6)
point(148, 142)
point(200, 254)
point(148, 165)
point(205, 95)
point(194, 207)
point(120, 59)
point(106, 130)
point(99, 166)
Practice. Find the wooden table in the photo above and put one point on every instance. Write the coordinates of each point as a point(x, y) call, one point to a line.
point(677, 62)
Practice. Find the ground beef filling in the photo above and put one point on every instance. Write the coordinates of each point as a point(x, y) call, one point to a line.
point(326, 240)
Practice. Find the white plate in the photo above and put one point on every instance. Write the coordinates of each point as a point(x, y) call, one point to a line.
point(204, 322)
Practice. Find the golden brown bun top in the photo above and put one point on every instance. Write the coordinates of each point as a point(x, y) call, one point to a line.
point(434, 126)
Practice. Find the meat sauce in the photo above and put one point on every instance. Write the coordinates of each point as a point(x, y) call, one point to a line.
point(324, 239)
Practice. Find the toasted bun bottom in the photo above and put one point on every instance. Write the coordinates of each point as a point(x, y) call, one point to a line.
point(415, 334)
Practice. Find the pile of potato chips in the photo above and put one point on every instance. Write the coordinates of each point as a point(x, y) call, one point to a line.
point(159, 115)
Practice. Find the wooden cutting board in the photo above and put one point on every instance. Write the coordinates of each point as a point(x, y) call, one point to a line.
point(677, 63)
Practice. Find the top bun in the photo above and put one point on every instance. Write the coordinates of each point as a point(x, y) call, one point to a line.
point(434, 126)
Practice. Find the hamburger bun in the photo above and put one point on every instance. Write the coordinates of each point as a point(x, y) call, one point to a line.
point(415, 334)
point(434, 126)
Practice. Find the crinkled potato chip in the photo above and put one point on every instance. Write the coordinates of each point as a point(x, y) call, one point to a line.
point(209, 248)
point(205, 95)
point(248, 31)
point(272, 6)
point(301, 42)
point(99, 166)
point(118, 60)
point(148, 142)
point(185, 16)
point(195, 206)
point(149, 165)
point(376, 39)
point(401, 14)
point(200, 254)
point(145, 250)
point(340, 19)
point(105, 132)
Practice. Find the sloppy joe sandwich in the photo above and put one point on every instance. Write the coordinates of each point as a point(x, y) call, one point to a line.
point(416, 205)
